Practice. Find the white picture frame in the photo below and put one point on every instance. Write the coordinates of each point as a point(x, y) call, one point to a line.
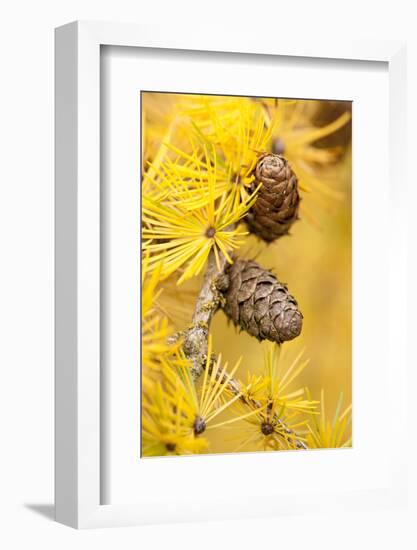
point(77, 242)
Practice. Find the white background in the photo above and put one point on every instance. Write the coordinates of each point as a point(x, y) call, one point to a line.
point(26, 271)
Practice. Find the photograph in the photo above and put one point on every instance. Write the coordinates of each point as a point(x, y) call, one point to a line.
point(207, 275)
point(246, 274)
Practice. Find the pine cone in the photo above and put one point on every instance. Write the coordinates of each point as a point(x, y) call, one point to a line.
point(276, 207)
point(257, 302)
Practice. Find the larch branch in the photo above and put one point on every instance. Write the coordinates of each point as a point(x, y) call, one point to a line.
point(195, 338)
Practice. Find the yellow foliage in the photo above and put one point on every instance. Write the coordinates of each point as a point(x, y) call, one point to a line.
point(198, 154)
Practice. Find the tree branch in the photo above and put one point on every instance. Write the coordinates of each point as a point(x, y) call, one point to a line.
point(234, 386)
point(208, 301)
point(195, 343)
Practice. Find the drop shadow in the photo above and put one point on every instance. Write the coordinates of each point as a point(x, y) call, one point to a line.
point(45, 510)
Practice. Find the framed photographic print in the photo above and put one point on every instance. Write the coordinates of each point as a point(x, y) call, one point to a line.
point(227, 268)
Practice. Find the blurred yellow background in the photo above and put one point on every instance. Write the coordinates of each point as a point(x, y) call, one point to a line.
point(314, 261)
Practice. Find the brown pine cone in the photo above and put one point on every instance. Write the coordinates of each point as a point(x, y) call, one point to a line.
point(257, 302)
point(276, 207)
